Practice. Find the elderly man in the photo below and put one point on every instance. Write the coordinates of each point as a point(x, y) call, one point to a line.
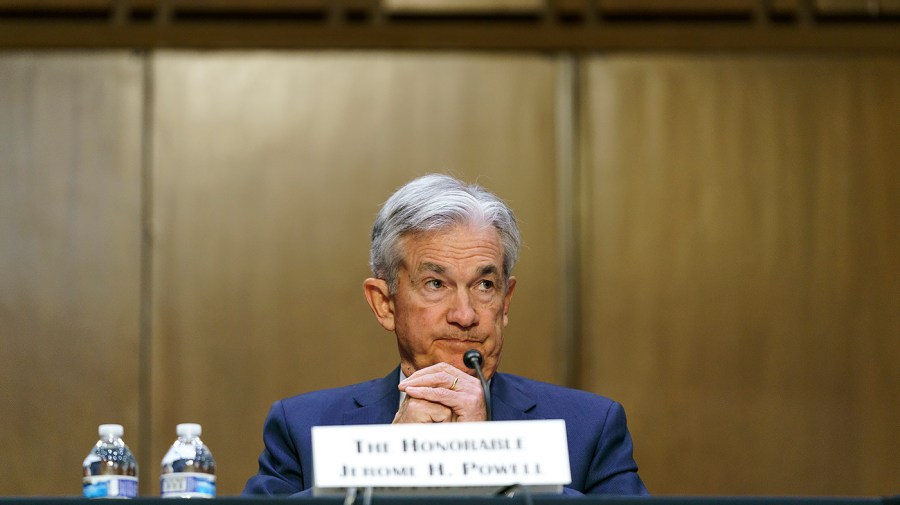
point(442, 256)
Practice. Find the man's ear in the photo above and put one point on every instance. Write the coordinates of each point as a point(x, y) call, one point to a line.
point(510, 287)
point(381, 302)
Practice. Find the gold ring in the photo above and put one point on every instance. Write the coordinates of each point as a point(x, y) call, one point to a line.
point(455, 380)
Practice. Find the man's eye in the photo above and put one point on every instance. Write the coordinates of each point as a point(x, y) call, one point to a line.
point(486, 285)
point(434, 284)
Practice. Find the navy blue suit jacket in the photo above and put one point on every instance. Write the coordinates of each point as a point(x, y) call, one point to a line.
point(600, 448)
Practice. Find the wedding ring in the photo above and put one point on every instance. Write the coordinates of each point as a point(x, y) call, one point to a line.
point(455, 380)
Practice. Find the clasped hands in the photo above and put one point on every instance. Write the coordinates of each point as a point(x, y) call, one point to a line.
point(441, 393)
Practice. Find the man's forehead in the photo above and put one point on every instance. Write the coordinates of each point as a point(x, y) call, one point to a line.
point(453, 241)
point(466, 249)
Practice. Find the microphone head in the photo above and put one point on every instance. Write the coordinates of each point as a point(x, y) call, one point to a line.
point(473, 358)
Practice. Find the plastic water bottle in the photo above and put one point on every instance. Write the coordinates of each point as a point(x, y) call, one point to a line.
point(110, 470)
point(188, 469)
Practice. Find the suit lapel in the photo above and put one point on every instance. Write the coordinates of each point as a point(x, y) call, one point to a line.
point(510, 402)
point(375, 402)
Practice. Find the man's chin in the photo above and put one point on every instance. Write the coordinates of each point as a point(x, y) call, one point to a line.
point(456, 360)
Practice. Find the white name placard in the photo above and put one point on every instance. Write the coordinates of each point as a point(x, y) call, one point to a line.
point(459, 458)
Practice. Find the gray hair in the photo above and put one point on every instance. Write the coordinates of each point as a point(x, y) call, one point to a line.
point(437, 202)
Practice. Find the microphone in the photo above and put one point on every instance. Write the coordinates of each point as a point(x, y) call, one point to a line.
point(473, 359)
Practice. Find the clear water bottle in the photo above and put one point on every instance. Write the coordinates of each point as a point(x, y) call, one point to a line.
point(188, 469)
point(110, 469)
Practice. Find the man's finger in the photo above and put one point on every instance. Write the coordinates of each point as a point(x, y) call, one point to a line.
point(466, 406)
point(433, 380)
point(414, 410)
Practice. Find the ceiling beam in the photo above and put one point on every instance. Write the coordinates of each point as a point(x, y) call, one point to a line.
point(556, 25)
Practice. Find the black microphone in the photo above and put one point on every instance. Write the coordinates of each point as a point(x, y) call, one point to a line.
point(473, 359)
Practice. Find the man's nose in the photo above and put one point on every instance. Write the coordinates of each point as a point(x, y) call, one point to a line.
point(462, 311)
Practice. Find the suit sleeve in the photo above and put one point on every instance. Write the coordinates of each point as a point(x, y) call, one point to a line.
point(613, 469)
point(280, 471)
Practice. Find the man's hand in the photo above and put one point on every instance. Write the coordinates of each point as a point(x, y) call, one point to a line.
point(441, 393)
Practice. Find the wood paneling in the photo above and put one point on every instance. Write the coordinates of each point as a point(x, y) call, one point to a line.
point(739, 238)
point(268, 172)
point(69, 262)
point(741, 269)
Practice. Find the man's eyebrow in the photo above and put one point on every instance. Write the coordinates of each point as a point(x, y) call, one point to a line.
point(439, 269)
point(488, 270)
point(431, 267)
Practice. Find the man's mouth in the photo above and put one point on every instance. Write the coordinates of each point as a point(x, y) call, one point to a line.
point(476, 340)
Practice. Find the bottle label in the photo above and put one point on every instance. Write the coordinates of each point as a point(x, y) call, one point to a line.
point(110, 486)
point(187, 485)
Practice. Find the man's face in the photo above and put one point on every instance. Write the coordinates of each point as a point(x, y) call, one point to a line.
point(451, 297)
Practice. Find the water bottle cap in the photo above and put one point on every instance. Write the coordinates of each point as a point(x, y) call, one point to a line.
point(115, 430)
point(188, 429)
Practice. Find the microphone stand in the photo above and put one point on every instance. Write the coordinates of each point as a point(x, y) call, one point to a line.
point(473, 359)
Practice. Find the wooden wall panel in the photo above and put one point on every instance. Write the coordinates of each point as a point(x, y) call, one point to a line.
point(741, 275)
point(739, 249)
point(268, 171)
point(69, 262)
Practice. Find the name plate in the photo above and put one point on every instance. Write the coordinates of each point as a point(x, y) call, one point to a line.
point(457, 458)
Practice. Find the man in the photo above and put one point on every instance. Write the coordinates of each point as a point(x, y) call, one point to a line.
point(442, 255)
